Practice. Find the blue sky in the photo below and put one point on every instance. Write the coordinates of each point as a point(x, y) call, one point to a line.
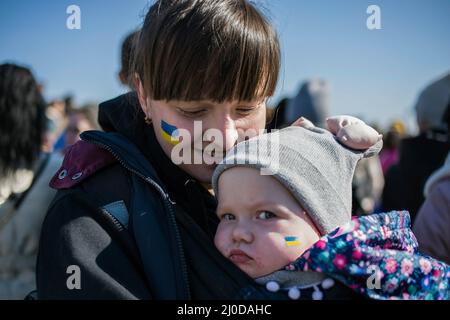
point(374, 74)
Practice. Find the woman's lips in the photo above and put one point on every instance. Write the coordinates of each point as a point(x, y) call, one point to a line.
point(239, 256)
point(214, 155)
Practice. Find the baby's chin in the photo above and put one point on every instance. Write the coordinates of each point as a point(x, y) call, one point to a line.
point(255, 274)
point(254, 270)
point(252, 273)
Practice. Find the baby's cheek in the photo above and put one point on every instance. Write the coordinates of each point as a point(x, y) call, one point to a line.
point(221, 239)
point(291, 248)
point(278, 250)
point(293, 253)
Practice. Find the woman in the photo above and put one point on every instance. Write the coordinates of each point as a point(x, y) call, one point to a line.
point(127, 223)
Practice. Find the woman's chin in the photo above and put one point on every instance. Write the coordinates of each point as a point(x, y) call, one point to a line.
point(201, 172)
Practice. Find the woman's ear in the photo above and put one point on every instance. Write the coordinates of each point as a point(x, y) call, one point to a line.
point(145, 106)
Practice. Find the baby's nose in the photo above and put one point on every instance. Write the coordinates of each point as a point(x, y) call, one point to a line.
point(242, 234)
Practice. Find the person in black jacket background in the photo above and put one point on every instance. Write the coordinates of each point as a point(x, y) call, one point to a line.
point(421, 155)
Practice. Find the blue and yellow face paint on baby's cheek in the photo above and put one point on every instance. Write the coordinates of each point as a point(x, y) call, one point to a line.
point(169, 133)
point(291, 241)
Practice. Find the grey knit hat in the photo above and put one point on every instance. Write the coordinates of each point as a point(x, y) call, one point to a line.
point(311, 163)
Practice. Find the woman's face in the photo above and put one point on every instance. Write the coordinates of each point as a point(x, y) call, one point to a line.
point(206, 130)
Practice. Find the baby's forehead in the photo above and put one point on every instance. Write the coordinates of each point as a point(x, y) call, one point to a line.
point(247, 191)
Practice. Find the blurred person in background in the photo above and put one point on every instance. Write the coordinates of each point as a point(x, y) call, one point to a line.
point(79, 120)
point(419, 156)
point(55, 124)
point(389, 155)
point(57, 119)
point(367, 184)
point(312, 102)
point(126, 55)
point(24, 176)
point(432, 227)
point(278, 115)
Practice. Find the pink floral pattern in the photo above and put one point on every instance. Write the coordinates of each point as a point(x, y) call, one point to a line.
point(377, 256)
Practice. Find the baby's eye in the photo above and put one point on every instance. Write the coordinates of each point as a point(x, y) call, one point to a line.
point(227, 216)
point(265, 215)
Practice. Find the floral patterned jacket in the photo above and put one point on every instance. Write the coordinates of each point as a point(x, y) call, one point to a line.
point(377, 256)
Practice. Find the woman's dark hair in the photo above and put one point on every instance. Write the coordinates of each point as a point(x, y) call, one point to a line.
point(22, 121)
point(219, 50)
point(126, 57)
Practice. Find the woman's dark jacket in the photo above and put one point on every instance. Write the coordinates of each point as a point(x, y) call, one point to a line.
point(136, 225)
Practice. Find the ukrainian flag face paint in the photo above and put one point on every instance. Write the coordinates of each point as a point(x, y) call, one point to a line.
point(291, 241)
point(169, 133)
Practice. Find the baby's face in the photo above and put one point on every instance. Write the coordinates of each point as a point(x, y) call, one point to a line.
point(262, 227)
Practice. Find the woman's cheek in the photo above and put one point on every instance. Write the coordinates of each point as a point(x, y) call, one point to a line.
point(260, 120)
point(180, 129)
point(254, 122)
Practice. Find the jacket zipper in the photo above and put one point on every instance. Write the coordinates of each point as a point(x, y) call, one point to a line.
point(116, 222)
point(168, 202)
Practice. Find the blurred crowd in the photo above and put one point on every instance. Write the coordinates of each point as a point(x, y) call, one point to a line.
point(411, 173)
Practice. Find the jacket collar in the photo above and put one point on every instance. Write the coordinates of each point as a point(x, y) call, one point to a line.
point(183, 188)
point(130, 141)
point(80, 161)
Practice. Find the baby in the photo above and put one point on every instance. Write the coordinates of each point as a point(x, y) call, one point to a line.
point(276, 226)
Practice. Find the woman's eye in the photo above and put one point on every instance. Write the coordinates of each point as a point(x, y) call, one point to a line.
point(192, 113)
point(227, 216)
point(245, 111)
point(265, 215)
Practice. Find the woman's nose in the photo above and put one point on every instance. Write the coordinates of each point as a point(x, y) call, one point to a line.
point(229, 132)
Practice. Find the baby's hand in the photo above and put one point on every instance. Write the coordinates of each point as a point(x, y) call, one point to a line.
point(303, 122)
point(353, 132)
point(350, 131)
